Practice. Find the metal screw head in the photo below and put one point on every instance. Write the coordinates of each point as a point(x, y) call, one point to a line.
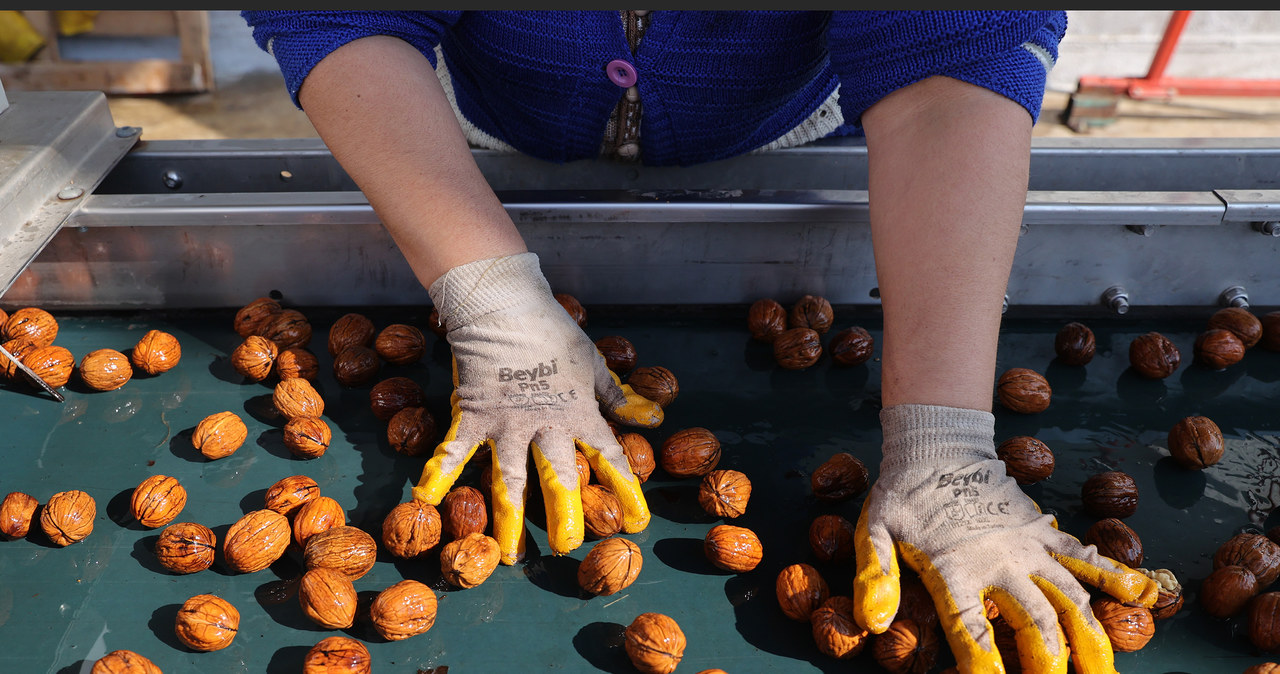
point(1117, 299)
point(1005, 307)
point(1235, 296)
point(1268, 228)
point(172, 180)
point(70, 192)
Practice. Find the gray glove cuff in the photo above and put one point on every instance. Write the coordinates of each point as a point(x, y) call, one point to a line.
point(920, 433)
point(471, 290)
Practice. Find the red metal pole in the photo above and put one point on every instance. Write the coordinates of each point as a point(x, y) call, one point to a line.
point(1177, 21)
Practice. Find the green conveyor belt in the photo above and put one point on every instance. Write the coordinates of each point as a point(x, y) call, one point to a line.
point(62, 608)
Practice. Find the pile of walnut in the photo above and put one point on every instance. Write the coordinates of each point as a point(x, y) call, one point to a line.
point(796, 335)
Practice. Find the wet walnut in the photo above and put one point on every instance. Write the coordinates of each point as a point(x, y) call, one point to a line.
point(1169, 599)
point(1255, 552)
point(256, 541)
point(290, 493)
point(219, 435)
point(835, 631)
point(186, 547)
point(1026, 459)
point(470, 560)
point(105, 370)
point(797, 348)
point(724, 493)
point(1226, 590)
point(905, 648)
point(654, 643)
point(1075, 344)
point(463, 511)
point(583, 464)
point(639, 455)
point(288, 329)
point(1263, 668)
point(355, 366)
point(18, 348)
point(157, 500)
point(839, 478)
point(800, 590)
point(1116, 540)
point(766, 320)
point(253, 317)
point(34, 324)
point(400, 344)
point(573, 307)
point(1241, 322)
point(1110, 494)
point(691, 452)
point(345, 548)
point(915, 603)
point(435, 325)
point(601, 511)
point(254, 357)
point(411, 529)
point(350, 330)
point(732, 548)
point(831, 538)
point(1217, 349)
point(328, 598)
point(319, 514)
point(124, 662)
point(297, 363)
point(157, 352)
point(611, 565)
point(655, 383)
point(1153, 356)
point(619, 353)
point(338, 655)
point(403, 610)
point(389, 396)
point(412, 431)
point(1264, 622)
point(1196, 443)
point(1128, 627)
point(1023, 390)
point(16, 512)
point(307, 437)
point(207, 622)
point(52, 363)
point(851, 346)
point(297, 398)
point(68, 517)
point(811, 312)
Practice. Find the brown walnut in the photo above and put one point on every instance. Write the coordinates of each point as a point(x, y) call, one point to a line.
point(156, 352)
point(690, 452)
point(813, 312)
point(1264, 622)
point(619, 353)
point(18, 348)
point(52, 363)
point(1195, 442)
point(400, 344)
point(583, 465)
point(288, 329)
point(412, 431)
point(1255, 552)
point(297, 398)
point(297, 363)
point(207, 622)
point(68, 517)
point(1116, 540)
point(654, 643)
point(601, 511)
point(1169, 599)
point(1128, 627)
point(800, 590)
point(463, 511)
point(403, 610)
point(611, 565)
point(307, 437)
point(16, 512)
point(328, 598)
point(1026, 459)
point(256, 541)
point(905, 648)
point(724, 493)
point(831, 538)
point(840, 478)
point(573, 307)
point(1226, 590)
point(219, 435)
point(797, 348)
point(639, 455)
point(766, 320)
point(290, 493)
point(105, 370)
point(732, 548)
point(1217, 349)
point(851, 346)
point(1023, 390)
point(411, 529)
point(835, 631)
point(1270, 331)
point(124, 662)
point(469, 561)
point(1153, 356)
point(31, 323)
point(186, 547)
point(436, 325)
point(338, 655)
point(253, 317)
point(157, 501)
point(1075, 344)
point(1110, 494)
point(391, 395)
point(655, 383)
point(254, 357)
point(916, 604)
point(345, 548)
point(1241, 322)
point(319, 514)
point(350, 330)
point(356, 366)
point(1263, 668)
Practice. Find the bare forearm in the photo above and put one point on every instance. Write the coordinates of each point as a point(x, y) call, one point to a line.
point(379, 107)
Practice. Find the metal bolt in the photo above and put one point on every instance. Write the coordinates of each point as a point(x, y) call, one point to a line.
point(172, 180)
point(1005, 308)
point(1117, 299)
point(1268, 227)
point(1235, 296)
point(126, 131)
point(1141, 230)
point(70, 192)
point(1023, 229)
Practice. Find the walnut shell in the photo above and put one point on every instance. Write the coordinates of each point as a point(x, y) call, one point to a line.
point(1255, 552)
point(18, 348)
point(1023, 390)
point(297, 398)
point(401, 344)
point(1026, 459)
point(851, 346)
point(345, 548)
point(797, 348)
point(356, 366)
point(839, 478)
point(1075, 344)
point(1169, 599)
point(253, 317)
point(583, 465)
point(319, 514)
point(157, 352)
point(157, 501)
point(307, 437)
point(690, 452)
point(463, 511)
point(831, 538)
point(1195, 442)
point(601, 511)
point(724, 493)
point(254, 357)
point(801, 590)
point(1128, 627)
point(338, 655)
point(31, 323)
point(1217, 349)
point(573, 307)
point(328, 598)
point(904, 648)
point(1270, 331)
point(290, 493)
point(105, 370)
point(469, 561)
point(403, 610)
point(207, 622)
point(288, 329)
point(916, 604)
point(52, 363)
point(68, 517)
point(411, 529)
point(1264, 668)
point(654, 643)
point(412, 431)
point(350, 330)
point(766, 320)
point(811, 312)
point(124, 662)
point(389, 396)
point(1110, 494)
point(1241, 322)
point(1226, 590)
point(655, 383)
point(619, 353)
point(186, 547)
point(835, 631)
point(16, 512)
point(219, 435)
point(732, 548)
point(1264, 622)
point(1153, 356)
point(611, 565)
point(256, 541)
point(639, 455)
point(1116, 540)
point(297, 363)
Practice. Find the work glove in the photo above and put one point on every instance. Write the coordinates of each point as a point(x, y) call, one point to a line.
point(528, 380)
point(945, 506)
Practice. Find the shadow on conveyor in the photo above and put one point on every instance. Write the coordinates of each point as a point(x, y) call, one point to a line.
point(181, 447)
point(285, 660)
point(601, 645)
point(76, 667)
point(120, 510)
point(144, 550)
point(161, 624)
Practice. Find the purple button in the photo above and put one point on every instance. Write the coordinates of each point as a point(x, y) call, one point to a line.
point(621, 73)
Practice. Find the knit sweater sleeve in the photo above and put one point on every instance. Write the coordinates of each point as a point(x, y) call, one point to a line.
point(300, 39)
point(1008, 52)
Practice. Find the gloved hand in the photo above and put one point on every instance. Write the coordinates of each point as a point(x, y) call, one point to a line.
point(944, 503)
point(526, 379)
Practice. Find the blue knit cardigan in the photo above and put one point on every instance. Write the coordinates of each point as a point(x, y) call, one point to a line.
point(714, 84)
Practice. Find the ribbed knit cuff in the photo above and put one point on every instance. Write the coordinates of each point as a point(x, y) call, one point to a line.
point(471, 290)
point(917, 433)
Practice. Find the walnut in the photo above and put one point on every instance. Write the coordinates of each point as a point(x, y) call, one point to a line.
point(639, 454)
point(1023, 391)
point(583, 465)
point(412, 431)
point(468, 561)
point(731, 548)
point(319, 514)
point(403, 610)
point(256, 541)
point(1128, 627)
point(801, 590)
point(290, 493)
point(601, 511)
point(389, 396)
point(1026, 459)
point(1226, 590)
point(18, 348)
point(52, 363)
point(905, 648)
point(219, 435)
point(207, 622)
point(345, 548)
point(411, 529)
point(839, 478)
point(463, 511)
point(105, 370)
point(1195, 442)
point(297, 363)
point(916, 604)
point(254, 357)
point(811, 312)
point(156, 352)
point(16, 512)
point(573, 307)
point(288, 329)
point(797, 348)
point(328, 598)
point(835, 631)
point(655, 383)
point(1255, 552)
point(1263, 668)
point(124, 662)
point(1270, 331)
point(654, 643)
point(1110, 494)
point(1116, 540)
point(724, 493)
point(611, 565)
point(1241, 322)
point(831, 538)
point(1217, 349)
point(355, 366)
point(851, 346)
point(253, 317)
point(1075, 344)
point(400, 344)
point(186, 547)
point(1264, 622)
point(157, 501)
point(1169, 599)
point(691, 452)
point(436, 325)
point(31, 323)
point(350, 330)
point(68, 517)
point(297, 398)
point(766, 320)
point(307, 437)
point(1153, 356)
point(619, 353)
point(338, 655)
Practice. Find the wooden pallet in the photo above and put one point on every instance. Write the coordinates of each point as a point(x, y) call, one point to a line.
point(191, 73)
